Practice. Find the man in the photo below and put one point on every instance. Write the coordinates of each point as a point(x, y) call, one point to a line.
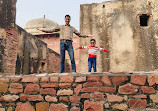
point(66, 36)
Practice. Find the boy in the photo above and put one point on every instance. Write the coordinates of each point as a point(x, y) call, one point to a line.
point(92, 51)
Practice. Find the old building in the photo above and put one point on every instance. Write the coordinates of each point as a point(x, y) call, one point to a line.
point(128, 29)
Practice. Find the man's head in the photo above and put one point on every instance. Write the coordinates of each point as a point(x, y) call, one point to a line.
point(67, 19)
point(93, 42)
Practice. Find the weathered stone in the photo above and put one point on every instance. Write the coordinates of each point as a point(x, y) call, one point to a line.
point(3, 87)
point(49, 85)
point(65, 92)
point(9, 109)
point(138, 79)
point(85, 95)
point(93, 78)
point(90, 89)
point(24, 107)
point(118, 79)
point(148, 90)
point(137, 103)
point(152, 79)
point(92, 106)
point(108, 89)
point(98, 96)
point(64, 99)
point(128, 89)
point(106, 105)
point(140, 96)
point(58, 107)
point(92, 84)
point(106, 80)
point(16, 88)
point(43, 106)
point(122, 106)
point(154, 98)
point(45, 79)
point(34, 80)
point(50, 98)
point(78, 89)
point(66, 79)
point(75, 99)
point(80, 79)
point(31, 89)
point(2, 109)
point(114, 98)
point(54, 79)
point(23, 97)
point(50, 91)
point(35, 98)
point(75, 109)
point(15, 79)
point(10, 98)
point(4, 80)
point(64, 85)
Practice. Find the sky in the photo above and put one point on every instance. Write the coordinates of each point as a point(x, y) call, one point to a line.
point(54, 10)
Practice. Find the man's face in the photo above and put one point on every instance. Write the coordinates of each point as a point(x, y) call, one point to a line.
point(67, 20)
point(92, 43)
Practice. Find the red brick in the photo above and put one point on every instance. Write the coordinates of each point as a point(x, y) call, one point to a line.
point(93, 78)
point(137, 103)
point(34, 80)
point(23, 97)
point(98, 96)
point(86, 95)
point(54, 79)
point(128, 89)
point(148, 90)
point(108, 89)
point(106, 80)
point(92, 106)
point(90, 89)
point(75, 99)
point(64, 85)
point(24, 107)
point(66, 79)
point(140, 96)
point(45, 79)
point(91, 84)
point(50, 91)
point(118, 79)
point(32, 89)
point(49, 85)
point(78, 89)
point(138, 79)
point(64, 99)
point(58, 107)
point(35, 98)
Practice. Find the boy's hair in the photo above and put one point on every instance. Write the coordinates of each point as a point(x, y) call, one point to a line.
point(93, 40)
point(67, 16)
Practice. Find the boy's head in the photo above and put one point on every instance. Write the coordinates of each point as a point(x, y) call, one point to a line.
point(67, 19)
point(93, 42)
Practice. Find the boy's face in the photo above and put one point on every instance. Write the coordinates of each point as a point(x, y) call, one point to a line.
point(92, 43)
point(67, 20)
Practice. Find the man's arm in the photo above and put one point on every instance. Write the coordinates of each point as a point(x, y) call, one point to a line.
point(49, 30)
point(79, 34)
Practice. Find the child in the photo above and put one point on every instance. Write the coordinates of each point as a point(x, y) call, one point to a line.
point(92, 51)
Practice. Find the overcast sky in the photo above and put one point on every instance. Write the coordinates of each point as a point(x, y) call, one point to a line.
point(53, 9)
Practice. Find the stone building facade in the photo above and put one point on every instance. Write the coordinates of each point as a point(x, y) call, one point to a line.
point(128, 29)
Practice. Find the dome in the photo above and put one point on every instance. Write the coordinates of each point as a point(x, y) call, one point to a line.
point(32, 25)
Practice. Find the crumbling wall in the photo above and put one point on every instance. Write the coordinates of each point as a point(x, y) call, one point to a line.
point(115, 27)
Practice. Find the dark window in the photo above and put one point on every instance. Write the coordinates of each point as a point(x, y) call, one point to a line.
point(144, 18)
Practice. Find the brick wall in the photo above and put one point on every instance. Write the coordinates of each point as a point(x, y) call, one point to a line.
point(80, 92)
point(10, 51)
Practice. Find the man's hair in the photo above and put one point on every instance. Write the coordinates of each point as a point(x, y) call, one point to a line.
point(67, 16)
point(93, 40)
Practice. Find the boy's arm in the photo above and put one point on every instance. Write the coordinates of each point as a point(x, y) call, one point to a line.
point(103, 49)
point(82, 47)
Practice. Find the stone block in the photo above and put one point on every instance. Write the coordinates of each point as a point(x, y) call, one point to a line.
point(137, 103)
point(90, 89)
point(108, 89)
point(75, 109)
point(51, 98)
point(128, 89)
point(44, 85)
point(92, 106)
point(15, 88)
point(154, 98)
point(122, 107)
point(23, 97)
point(31, 89)
point(33, 80)
point(98, 96)
point(66, 79)
point(85, 95)
point(80, 79)
point(106, 80)
point(93, 78)
point(140, 96)
point(75, 99)
point(92, 84)
point(64, 85)
point(58, 107)
point(65, 92)
point(152, 80)
point(45, 79)
point(63, 99)
point(3, 87)
point(54, 79)
point(114, 98)
point(147, 90)
point(35, 98)
point(138, 79)
point(78, 89)
point(43, 106)
point(118, 79)
point(24, 107)
point(50, 91)
point(10, 98)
